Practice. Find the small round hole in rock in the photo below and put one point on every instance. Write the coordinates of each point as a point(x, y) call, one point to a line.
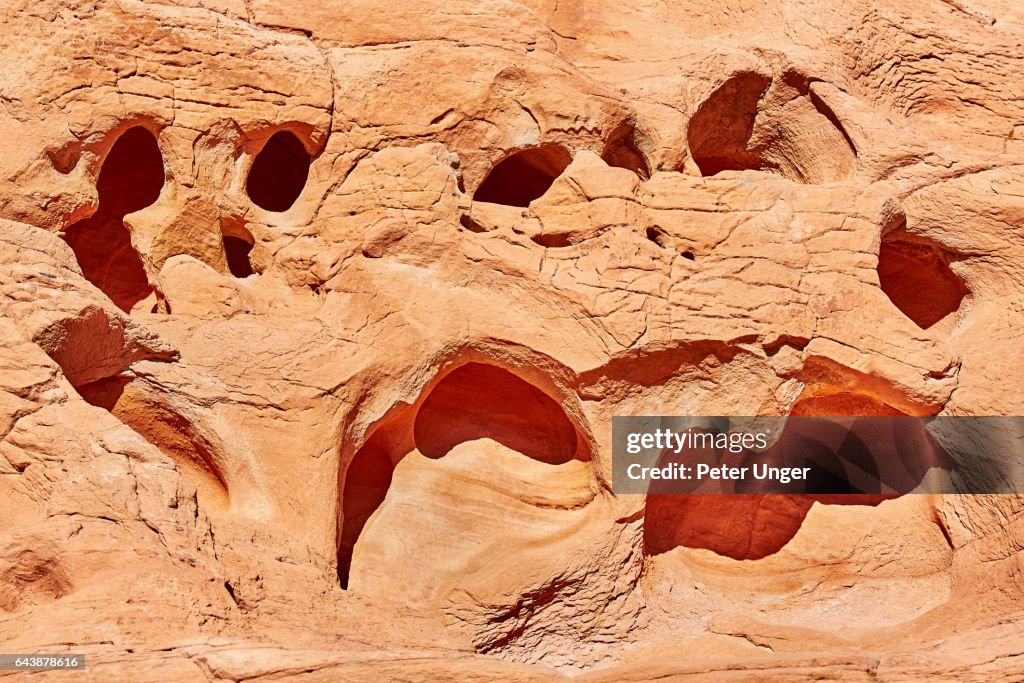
point(279, 173)
point(656, 235)
point(524, 176)
point(467, 221)
point(552, 240)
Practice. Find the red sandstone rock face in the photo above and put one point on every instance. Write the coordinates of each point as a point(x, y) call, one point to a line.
point(313, 319)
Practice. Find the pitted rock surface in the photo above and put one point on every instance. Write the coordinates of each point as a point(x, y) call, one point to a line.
point(314, 317)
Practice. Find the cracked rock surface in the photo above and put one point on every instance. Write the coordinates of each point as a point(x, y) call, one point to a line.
point(314, 317)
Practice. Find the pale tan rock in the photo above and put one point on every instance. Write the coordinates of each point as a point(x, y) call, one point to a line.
point(314, 317)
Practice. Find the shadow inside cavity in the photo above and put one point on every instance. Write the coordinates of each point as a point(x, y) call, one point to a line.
point(857, 462)
point(474, 401)
point(131, 179)
point(523, 176)
point(154, 418)
point(478, 400)
point(279, 172)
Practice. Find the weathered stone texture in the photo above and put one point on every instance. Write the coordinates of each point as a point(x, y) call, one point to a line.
point(314, 316)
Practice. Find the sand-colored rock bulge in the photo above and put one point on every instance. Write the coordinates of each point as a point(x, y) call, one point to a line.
point(314, 317)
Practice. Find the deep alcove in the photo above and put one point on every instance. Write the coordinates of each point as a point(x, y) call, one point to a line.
point(524, 176)
point(472, 402)
point(781, 126)
point(237, 249)
point(130, 179)
point(279, 172)
point(721, 128)
point(366, 484)
point(478, 400)
point(918, 280)
point(750, 526)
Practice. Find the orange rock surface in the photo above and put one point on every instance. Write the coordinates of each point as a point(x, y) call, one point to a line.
point(314, 317)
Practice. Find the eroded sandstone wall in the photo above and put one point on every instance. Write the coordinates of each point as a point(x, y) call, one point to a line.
point(314, 317)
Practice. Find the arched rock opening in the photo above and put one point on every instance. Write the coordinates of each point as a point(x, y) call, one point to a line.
point(130, 179)
point(844, 403)
point(237, 251)
point(474, 401)
point(366, 484)
point(720, 130)
point(279, 172)
point(238, 243)
point(782, 125)
point(918, 280)
point(478, 400)
point(751, 526)
point(524, 176)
